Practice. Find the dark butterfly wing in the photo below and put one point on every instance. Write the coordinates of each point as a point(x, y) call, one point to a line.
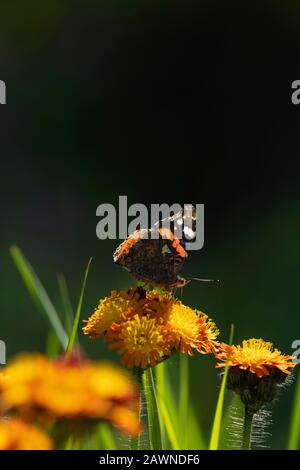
point(150, 257)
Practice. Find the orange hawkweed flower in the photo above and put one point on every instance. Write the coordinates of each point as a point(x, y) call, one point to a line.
point(257, 356)
point(112, 309)
point(17, 435)
point(255, 370)
point(63, 390)
point(146, 327)
point(190, 329)
point(140, 340)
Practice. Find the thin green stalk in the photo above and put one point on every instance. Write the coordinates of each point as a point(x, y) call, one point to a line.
point(73, 335)
point(183, 397)
point(106, 438)
point(66, 303)
point(247, 427)
point(167, 408)
point(294, 435)
point(73, 442)
point(39, 294)
point(216, 430)
point(154, 427)
point(169, 426)
point(137, 372)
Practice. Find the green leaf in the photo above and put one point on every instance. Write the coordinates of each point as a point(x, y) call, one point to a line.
point(136, 440)
point(72, 339)
point(294, 432)
point(195, 438)
point(39, 294)
point(53, 345)
point(105, 437)
point(183, 398)
point(152, 411)
point(167, 408)
point(216, 429)
point(66, 303)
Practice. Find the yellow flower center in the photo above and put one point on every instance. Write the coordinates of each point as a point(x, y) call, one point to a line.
point(142, 334)
point(141, 341)
point(256, 350)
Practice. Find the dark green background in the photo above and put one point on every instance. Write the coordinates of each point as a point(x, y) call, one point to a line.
point(164, 101)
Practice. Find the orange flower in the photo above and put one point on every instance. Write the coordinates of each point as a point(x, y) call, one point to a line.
point(141, 341)
point(190, 329)
point(35, 386)
point(17, 435)
point(146, 327)
point(255, 355)
point(256, 370)
point(112, 309)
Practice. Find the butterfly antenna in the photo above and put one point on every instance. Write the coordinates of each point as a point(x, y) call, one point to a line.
point(203, 280)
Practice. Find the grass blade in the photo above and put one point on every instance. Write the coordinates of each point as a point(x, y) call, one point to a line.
point(169, 427)
point(39, 294)
point(195, 439)
point(294, 434)
point(66, 303)
point(183, 398)
point(167, 408)
point(152, 411)
point(53, 346)
point(105, 437)
point(73, 334)
point(216, 430)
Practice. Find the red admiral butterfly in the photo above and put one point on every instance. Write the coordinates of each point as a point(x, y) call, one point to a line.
point(155, 256)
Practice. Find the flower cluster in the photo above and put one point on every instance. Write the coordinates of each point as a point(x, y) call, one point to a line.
point(145, 327)
point(35, 388)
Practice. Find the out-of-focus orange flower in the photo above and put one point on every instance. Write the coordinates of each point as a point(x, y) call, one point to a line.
point(34, 386)
point(17, 435)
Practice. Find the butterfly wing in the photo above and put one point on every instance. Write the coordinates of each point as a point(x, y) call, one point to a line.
point(154, 256)
point(182, 224)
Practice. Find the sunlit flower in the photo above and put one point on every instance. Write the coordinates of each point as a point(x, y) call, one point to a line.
point(257, 356)
point(33, 386)
point(112, 309)
point(17, 435)
point(190, 329)
point(145, 327)
point(255, 370)
point(140, 340)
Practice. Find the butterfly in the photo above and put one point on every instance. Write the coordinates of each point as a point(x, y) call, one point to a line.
point(156, 255)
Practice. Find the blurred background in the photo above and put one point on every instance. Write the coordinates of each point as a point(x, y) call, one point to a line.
point(162, 101)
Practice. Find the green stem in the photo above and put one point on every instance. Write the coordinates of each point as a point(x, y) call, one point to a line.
point(137, 372)
point(247, 427)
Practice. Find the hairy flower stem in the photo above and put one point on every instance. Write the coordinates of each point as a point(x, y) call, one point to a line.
point(247, 427)
point(138, 376)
